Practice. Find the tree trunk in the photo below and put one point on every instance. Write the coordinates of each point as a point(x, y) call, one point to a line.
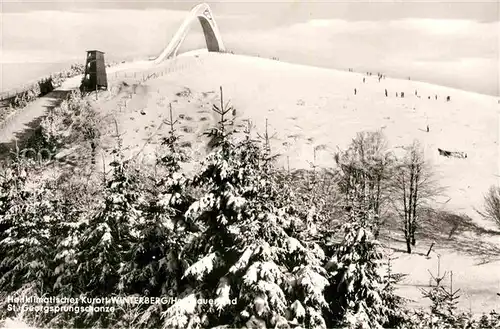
point(413, 228)
point(407, 213)
point(408, 236)
point(408, 245)
point(415, 199)
point(93, 151)
point(407, 231)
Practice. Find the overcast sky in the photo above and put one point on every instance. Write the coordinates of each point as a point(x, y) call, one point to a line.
point(452, 43)
point(482, 11)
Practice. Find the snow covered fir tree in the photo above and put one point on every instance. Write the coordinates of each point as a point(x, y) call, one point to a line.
point(225, 240)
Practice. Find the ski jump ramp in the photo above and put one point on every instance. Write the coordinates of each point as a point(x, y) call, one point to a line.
point(213, 38)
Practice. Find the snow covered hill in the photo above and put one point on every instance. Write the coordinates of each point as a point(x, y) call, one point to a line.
point(314, 110)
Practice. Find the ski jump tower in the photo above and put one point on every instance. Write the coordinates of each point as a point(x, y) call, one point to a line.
point(204, 15)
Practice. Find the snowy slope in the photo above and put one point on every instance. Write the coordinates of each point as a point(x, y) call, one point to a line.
point(314, 108)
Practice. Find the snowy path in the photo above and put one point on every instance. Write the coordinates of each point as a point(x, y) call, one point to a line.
point(16, 124)
point(22, 120)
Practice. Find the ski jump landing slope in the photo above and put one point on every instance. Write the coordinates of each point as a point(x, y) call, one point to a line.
point(213, 38)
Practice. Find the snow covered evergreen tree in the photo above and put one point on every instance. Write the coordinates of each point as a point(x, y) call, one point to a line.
point(444, 302)
point(30, 212)
point(29, 215)
point(356, 290)
point(156, 262)
point(248, 272)
point(13, 177)
point(104, 248)
point(394, 303)
point(77, 197)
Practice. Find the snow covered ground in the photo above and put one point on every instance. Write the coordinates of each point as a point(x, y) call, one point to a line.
point(478, 281)
point(313, 111)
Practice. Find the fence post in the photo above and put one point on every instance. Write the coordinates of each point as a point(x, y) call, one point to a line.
point(428, 252)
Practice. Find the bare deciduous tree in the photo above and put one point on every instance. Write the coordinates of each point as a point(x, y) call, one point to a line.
point(413, 186)
point(365, 169)
point(492, 204)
